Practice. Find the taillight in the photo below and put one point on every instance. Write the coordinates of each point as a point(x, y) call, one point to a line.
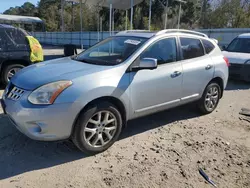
point(227, 61)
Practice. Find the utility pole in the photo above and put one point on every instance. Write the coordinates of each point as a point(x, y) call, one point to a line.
point(203, 13)
point(81, 23)
point(165, 12)
point(110, 19)
point(126, 26)
point(113, 22)
point(131, 14)
point(166, 15)
point(150, 14)
point(62, 15)
point(98, 23)
point(73, 17)
point(179, 17)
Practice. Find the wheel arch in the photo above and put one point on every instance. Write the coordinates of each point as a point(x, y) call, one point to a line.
point(12, 62)
point(9, 62)
point(113, 100)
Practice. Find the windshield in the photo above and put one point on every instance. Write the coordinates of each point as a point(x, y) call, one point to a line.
point(241, 45)
point(111, 51)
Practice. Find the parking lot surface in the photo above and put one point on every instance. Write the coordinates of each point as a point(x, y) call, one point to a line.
point(53, 52)
point(162, 150)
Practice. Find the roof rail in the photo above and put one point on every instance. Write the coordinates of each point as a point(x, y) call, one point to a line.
point(181, 31)
point(133, 31)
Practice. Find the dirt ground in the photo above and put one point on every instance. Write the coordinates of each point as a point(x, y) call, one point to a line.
point(161, 150)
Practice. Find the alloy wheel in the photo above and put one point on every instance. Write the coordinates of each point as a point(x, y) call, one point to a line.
point(211, 98)
point(100, 129)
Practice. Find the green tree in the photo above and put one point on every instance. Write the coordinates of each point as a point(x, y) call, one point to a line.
point(195, 14)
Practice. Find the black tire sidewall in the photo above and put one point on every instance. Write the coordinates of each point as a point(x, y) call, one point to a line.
point(202, 102)
point(7, 69)
point(82, 122)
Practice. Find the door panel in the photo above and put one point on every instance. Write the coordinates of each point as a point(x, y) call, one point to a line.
point(198, 69)
point(196, 77)
point(158, 89)
point(155, 90)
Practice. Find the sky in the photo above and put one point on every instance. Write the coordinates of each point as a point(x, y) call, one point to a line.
point(6, 4)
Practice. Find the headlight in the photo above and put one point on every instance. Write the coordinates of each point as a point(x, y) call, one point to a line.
point(48, 93)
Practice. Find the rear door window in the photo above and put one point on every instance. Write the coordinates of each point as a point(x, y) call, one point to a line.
point(191, 48)
point(208, 46)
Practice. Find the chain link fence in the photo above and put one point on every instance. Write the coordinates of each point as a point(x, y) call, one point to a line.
point(89, 38)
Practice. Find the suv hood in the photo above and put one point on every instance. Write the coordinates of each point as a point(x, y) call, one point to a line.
point(236, 57)
point(40, 74)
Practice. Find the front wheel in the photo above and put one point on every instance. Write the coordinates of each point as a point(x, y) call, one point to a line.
point(97, 128)
point(9, 71)
point(210, 98)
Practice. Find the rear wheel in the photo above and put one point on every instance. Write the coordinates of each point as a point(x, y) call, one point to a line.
point(210, 98)
point(9, 71)
point(97, 128)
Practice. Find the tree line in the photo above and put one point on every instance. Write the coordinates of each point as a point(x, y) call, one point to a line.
point(195, 14)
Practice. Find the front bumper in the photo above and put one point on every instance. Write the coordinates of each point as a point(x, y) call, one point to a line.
point(45, 123)
point(239, 71)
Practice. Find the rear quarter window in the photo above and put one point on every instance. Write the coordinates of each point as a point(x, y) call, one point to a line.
point(16, 36)
point(208, 46)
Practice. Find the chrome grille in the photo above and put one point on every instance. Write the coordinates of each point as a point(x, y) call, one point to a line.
point(15, 93)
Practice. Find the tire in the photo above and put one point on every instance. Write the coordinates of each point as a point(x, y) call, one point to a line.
point(203, 104)
point(85, 140)
point(7, 69)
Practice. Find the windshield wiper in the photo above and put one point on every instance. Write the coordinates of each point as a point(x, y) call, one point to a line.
point(85, 61)
point(95, 62)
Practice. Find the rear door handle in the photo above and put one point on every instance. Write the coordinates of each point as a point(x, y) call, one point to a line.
point(176, 74)
point(208, 67)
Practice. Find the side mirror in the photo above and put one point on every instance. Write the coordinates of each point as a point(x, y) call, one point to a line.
point(224, 47)
point(146, 63)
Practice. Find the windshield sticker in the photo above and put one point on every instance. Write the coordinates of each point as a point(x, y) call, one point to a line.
point(134, 42)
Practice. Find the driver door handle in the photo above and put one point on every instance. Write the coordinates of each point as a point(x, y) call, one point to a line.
point(175, 74)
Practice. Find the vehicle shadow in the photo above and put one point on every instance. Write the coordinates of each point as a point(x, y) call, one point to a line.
point(20, 154)
point(237, 85)
point(160, 119)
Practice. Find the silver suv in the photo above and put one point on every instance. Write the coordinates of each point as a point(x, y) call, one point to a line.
point(238, 54)
point(90, 97)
